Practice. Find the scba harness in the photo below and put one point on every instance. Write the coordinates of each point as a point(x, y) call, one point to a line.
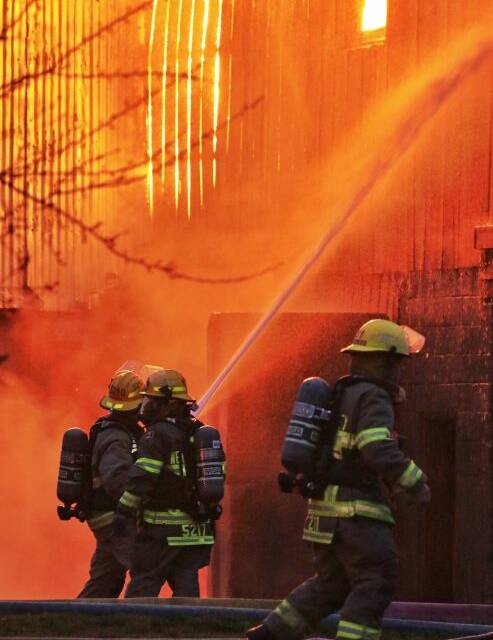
point(322, 453)
point(187, 464)
point(79, 484)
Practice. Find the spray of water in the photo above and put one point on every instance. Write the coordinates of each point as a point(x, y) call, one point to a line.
point(419, 111)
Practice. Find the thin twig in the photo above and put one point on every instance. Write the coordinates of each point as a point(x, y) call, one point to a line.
point(9, 27)
point(123, 180)
point(14, 84)
point(110, 243)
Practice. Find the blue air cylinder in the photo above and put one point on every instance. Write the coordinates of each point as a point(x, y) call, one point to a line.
point(210, 460)
point(311, 414)
point(74, 467)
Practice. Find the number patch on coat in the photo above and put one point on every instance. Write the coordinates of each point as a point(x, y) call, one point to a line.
point(193, 530)
point(312, 523)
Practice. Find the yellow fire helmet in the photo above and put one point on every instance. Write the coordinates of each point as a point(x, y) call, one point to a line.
point(123, 392)
point(384, 336)
point(138, 367)
point(167, 383)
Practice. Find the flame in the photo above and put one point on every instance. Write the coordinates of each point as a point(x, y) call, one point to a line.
point(230, 72)
point(177, 104)
point(150, 165)
point(217, 74)
point(205, 28)
point(189, 110)
point(374, 15)
point(228, 117)
point(163, 101)
point(210, 36)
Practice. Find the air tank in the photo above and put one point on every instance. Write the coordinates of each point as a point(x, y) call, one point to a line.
point(210, 460)
point(310, 415)
point(74, 467)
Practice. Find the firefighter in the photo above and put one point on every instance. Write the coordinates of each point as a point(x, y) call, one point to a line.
point(349, 521)
point(113, 442)
point(176, 533)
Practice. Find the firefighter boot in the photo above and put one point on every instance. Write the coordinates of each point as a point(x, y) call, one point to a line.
point(260, 632)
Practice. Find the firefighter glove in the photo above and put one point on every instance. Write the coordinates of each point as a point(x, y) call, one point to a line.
point(215, 511)
point(199, 512)
point(423, 493)
point(307, 488)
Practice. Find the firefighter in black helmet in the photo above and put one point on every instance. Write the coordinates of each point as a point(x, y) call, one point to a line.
point(113, 442)
point(176, 536)
point(349, 521)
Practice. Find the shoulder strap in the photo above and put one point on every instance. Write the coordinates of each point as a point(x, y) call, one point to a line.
point(104, 423)
point(390, 387)
point(94, 431)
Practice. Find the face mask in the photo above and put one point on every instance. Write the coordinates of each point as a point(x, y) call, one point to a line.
point(149, 411)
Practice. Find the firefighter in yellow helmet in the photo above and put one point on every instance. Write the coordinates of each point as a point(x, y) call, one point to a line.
point(349, 521)
point(175, 539)
point(113, 443)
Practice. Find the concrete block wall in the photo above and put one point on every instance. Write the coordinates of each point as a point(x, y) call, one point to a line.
point(446, 550)
point(448, 421)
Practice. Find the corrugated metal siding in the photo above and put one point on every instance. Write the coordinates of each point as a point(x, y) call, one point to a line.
point(319, 82)
point(62, 103)
point(295, 79)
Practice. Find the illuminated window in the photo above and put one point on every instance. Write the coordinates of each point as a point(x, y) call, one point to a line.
point(374, 18)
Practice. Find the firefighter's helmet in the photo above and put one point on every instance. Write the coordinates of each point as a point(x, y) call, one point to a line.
point(123, 392)
point(384, 336)
point(167, 384)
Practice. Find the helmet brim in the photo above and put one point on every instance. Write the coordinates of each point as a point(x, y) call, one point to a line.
point(183, 396)
point(358, 348)
point(119, 405)
point(178, 396)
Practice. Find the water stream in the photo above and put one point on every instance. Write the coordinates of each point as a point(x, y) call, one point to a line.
point(417, 112)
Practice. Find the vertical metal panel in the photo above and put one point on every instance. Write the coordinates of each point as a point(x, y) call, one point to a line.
point(52, 101)
point(316, 81)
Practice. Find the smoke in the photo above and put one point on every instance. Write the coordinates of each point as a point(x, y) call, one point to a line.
point(61, 363)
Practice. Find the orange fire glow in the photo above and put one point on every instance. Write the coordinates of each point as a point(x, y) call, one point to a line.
point(189, 111)
point(216, 90)
point(205, 28)
point(163, 96)
point(230, 73)
point(150, 166)
point(188, 34)
point(177, 104)
point(374, 15)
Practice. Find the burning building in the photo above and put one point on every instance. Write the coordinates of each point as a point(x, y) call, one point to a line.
point(230, 136)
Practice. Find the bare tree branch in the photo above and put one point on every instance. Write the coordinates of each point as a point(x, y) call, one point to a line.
point(125, 75)
point(123, 180)
point(9, 27)
point(14, 84)
point(110, 243)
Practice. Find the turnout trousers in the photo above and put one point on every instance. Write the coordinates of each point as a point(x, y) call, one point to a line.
point(155, 563)
point(356, 574)
point(109, 565)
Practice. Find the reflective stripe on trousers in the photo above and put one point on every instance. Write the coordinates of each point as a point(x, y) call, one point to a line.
point(354, 631)
point(292, 618)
